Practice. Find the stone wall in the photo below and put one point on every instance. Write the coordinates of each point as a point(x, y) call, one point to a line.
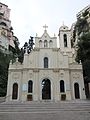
point(2, 99)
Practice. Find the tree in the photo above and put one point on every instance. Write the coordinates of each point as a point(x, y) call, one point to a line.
point(28, 45)
point(4, 64)
point(83, 52)
point(83, 46)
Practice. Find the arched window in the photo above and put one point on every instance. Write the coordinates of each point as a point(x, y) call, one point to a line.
point(30, 86)
point(40, 43)
point(62, 88)
point(76, 90)
point(50, 43)
point(45, 43)
point(15, 91)
point(65, 40)
point(45, 62)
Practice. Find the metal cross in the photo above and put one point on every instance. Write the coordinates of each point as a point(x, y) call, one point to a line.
point(45, 26)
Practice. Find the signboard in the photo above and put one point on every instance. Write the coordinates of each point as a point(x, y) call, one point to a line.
point(24, 87)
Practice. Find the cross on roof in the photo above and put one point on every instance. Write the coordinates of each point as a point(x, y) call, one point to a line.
point(45, 26)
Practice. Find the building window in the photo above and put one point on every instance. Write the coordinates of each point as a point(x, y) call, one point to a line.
point(15, 91)
point(50, 43)
point(45, 43)
point(76, 90)
point(62, 88)
point(45, 62)
point(40, 43)
point(30, 86)
point(65, 40)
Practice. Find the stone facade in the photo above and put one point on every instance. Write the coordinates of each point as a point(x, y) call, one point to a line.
point(6, 33)
point(50, 66)
point(79, 14)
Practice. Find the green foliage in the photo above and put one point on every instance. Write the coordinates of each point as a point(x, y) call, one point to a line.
point(83, 51)
point(83, 54)
point(21, 55)
point(86, 72)
point(73, 38)
point(85, 14)
point(4, 64)
point(82, 26)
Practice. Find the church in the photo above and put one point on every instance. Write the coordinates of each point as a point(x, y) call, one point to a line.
point(48, 72)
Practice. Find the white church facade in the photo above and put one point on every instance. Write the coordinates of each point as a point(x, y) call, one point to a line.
point(48, 72)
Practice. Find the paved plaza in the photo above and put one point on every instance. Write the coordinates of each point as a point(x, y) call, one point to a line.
point(62, 115)
point(45, 111)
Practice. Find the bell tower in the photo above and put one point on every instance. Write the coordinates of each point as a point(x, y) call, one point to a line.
point(64, 38)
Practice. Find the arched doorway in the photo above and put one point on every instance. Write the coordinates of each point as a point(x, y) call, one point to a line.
point(15, 91)
point(46, 89)
point(76, 90)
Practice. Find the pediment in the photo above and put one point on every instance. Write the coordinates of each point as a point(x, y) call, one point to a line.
point(45, 35)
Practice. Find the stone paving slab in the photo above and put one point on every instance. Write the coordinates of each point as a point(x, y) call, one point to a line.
point(62, 115)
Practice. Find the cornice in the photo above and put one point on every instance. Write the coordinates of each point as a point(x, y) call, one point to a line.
point(36, 49)
point(55, 49)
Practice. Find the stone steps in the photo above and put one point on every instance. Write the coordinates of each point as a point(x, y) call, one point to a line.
point(45, 106)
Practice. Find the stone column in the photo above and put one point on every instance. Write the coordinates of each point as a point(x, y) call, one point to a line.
point(24, 83)
point(36, 85)
point(67, 87)
point(56, 85)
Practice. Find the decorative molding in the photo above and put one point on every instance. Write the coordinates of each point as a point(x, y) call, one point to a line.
point(76, 75)
point(55, 49)
point(16, 75)
point(56, 70)
point(36, 49)
point(36, 70)
point(46, 73)
point(3, 32)
point(61, 75)
point(30, 75)
point(45, 36)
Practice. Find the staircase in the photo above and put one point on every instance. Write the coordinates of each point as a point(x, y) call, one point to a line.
point(46, 110)
point(42, 107)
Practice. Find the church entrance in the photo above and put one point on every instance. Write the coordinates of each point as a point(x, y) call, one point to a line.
point(46, 89)
point(76, 90)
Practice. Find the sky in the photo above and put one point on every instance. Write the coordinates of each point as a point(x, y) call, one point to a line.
point(29, 16)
